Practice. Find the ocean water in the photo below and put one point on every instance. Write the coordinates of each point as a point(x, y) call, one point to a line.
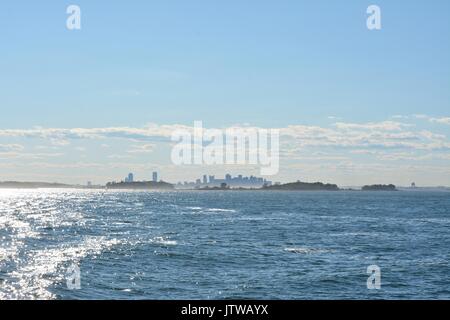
point(224, 245)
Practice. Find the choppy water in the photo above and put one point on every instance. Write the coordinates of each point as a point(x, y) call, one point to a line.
point(220, 245)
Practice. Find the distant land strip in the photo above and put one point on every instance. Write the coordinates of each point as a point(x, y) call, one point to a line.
point(161, 185)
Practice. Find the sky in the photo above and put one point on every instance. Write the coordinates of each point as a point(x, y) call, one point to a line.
point(354, 106)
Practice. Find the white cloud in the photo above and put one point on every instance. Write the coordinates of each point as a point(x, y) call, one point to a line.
point(385, 126)
point(445, 120)
point(295, 139)
point(119, 156)
point(441, 120)
point(145, 148)
point(10, 147)
point(18, 155)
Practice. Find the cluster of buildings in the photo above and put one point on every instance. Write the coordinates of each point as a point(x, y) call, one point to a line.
point(130, 177)
point(232, 182)
point(206, 181)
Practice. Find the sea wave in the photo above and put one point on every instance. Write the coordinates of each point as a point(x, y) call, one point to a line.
point(163, 241)
point(210, 210)
point(304, 250)
point(44, 267)
point(220, 210)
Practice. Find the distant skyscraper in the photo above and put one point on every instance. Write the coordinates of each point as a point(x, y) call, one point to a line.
point(228, 177)
point(205, 179)
point(130, 178)
point(155, 176)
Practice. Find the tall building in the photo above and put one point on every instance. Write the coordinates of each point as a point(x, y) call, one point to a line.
point(205, 179)
point(130, 178)
point(155, 176)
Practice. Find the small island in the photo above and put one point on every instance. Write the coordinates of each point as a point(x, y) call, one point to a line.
point(140, 185)
point(33, 185)
point(303, 186)
point(380, 187)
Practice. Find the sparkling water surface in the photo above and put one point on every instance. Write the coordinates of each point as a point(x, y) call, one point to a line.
point(224, 245)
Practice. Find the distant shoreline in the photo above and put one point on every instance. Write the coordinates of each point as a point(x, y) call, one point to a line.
point(164, 186)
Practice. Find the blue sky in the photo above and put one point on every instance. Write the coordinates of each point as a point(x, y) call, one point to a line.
point(263, 63)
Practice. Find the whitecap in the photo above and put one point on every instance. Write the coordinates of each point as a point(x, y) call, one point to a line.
point(164, 241)
point(303, 250)
point(220, 210)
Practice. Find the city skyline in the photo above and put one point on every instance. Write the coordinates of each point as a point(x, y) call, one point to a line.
point(204, 181)
point(353, 106)
point(239, 181)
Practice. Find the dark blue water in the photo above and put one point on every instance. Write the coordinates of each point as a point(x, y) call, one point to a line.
point(224, 245)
